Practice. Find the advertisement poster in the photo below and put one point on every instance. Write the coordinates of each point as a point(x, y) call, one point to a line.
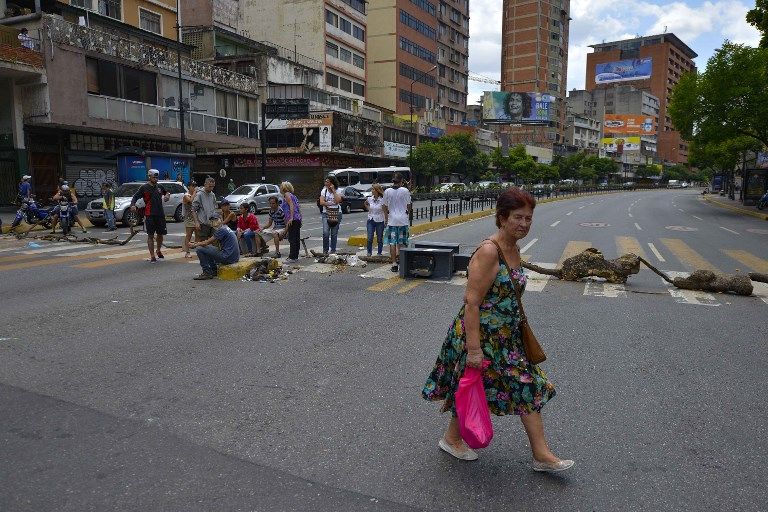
point(717, 183)
point(395, 149)
point(629, 124)
point(325, 138)
point(517, 107)
point(623, 70)
point(621, 144)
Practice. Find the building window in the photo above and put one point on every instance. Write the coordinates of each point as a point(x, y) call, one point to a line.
point(345, 55)
point(417, 25)
point(423, 4)
point(345, 84)
point(358, 61)
point(331, 49)
point(358, 33)
point(117, 81)
point(150, 21)
point(332, 80)
point(111, 8)
point(358, 5)
point(358, 89)
point(331, 18)
point(417, 75)
point(419, 101)
point(415, 49)
point(345, 25)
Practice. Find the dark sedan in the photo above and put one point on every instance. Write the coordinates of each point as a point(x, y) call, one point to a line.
point(353, 199)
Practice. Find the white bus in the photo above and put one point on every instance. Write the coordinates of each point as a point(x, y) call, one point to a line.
point(362, 178)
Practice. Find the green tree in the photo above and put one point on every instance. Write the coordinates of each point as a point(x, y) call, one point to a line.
point(759, 18)
point(432, 159)
point(547, 172)
point(603, 167)
point(729, 99)
point(645, 171)
point(677, 172)
point(453, 154)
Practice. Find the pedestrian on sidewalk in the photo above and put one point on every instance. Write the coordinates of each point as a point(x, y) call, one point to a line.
point(154, 195)
point(204, 208)
point(292, 220)
point(397, 206)
point(189, 220)
point(330, 203)
point(211, 257)
point(276, 225)
point(374, 205)
point(109, 205)
point(248, 229)
point(488, 327)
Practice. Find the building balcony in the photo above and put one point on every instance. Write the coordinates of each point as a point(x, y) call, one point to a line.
point(86, 38)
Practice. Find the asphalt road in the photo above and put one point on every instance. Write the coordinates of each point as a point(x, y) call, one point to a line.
point(127, 386)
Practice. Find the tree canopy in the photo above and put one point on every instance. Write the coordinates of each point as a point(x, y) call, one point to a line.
point(759, 18)
point(727, 100)
point(452, 154)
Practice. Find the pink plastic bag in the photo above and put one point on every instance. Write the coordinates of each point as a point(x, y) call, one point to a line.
point(474, 417)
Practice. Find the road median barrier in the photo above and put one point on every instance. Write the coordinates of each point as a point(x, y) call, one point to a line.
point(235, 271)
point(744, 211)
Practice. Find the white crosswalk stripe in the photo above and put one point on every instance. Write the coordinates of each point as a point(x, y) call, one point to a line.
point(689, 296)
point(598, 289)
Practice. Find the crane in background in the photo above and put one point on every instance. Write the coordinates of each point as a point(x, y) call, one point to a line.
point(484, 79)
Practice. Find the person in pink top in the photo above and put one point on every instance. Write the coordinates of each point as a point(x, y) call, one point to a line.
point(248, 228)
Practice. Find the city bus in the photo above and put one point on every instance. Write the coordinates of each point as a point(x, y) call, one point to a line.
point(362, 178)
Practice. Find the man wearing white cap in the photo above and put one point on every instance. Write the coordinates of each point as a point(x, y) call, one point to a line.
point(154, 217)
point(25, 188)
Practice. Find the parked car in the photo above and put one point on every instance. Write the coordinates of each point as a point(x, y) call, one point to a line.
point(452, 187)
point(352, 199)
point(255, 195)
point(123, 195)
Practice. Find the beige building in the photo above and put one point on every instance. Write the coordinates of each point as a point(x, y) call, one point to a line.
point(156, 16)
point(534, 58)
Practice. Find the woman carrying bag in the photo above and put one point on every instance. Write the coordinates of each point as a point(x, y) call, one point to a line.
point(487, 332)
point(330, 201)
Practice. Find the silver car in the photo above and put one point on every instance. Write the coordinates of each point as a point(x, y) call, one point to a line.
point(123, 195)
point(255, 195)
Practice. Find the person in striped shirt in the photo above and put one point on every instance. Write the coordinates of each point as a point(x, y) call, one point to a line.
point(276, 224)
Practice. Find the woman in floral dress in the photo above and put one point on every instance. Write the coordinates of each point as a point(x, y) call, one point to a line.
point(487, 328)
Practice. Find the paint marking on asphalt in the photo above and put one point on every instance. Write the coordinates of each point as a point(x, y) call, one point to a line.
point(632, 216)
point(99, 250)
point(40, 263)
point(569, 213)
point(126, 257)
point(573, 248)
point(730, 231)
point(386, 284)
point(695, 297)
point(25, 246)
point(536, 282)
point(410, 285)
point(638, 226)
point(65, 247)
point(629, 244)
point(695, 217)
point(749, 260)
point(656, 252)
point(554, 224)
point(760, 290)
point(582, 207)
point(528, 245)
point(596, 289)
point(139, 252)
point(687, 255)
point(681, 210)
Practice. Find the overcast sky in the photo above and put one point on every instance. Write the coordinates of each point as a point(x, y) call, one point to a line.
point(702, 25)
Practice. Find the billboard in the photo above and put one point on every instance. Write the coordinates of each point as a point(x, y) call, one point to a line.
point(623, 70)
point(621, 144)
point(517, 107)
point(626, 124)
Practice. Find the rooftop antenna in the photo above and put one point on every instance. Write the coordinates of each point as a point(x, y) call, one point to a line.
point(665, 29)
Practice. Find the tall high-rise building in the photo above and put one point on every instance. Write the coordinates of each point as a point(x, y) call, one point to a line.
point(419, 56)
point(534, 58)
point(650, 63)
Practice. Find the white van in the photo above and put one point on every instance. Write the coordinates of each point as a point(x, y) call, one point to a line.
point(674, 184)
point(362, 178)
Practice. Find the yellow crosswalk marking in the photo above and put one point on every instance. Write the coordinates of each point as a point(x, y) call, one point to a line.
point(627, 244)
point(125, 259)
point(410, 286)
point(17, 257)
point(43, 262)
point(386, 284)
point(688, 256)
point(749, 260)
point(573, 248)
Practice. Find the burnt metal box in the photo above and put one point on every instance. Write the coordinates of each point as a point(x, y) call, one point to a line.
point(437, 245)
point(461, 262)
point(426, 262)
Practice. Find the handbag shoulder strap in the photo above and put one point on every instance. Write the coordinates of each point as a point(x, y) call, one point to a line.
point(515, 284)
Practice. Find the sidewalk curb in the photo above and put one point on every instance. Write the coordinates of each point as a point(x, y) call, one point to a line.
point(418, 229)
point(743, 211)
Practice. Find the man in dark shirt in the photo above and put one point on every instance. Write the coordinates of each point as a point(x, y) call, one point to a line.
point(154, 218)
point(210, 257)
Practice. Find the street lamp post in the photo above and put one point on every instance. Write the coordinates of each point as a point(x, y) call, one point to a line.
point(410, 101)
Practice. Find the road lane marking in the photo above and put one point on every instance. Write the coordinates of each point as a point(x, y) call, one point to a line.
point(573, 248)
point(569, 213)
point(64, 247)
point(656, 252)
point(688, 256)
point(114, 259)
point(582, 207)
point(596, 289)
point(681, 210)
point(632, 216)
point(695, 217)
point(730, 231)
point(410, 286)
point(748, 260)
point(386, 284)
point(629, 244)
point(528, 245)
point(554, 224)
point(638, 226)
point(40, 263)
point(760, 290)
point(695, 297)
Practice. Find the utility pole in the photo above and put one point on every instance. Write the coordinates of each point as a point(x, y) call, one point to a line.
point(181, 92)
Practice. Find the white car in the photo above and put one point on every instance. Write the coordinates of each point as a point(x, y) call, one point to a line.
point(123, 195)
point(452, 187)
point(255, 195)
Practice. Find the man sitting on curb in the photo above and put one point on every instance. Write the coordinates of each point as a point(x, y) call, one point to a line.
point(210, 257)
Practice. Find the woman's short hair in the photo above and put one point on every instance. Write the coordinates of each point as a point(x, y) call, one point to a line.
point(286, 187)
point(333, 180)
point(376, 187)
point(512, 199)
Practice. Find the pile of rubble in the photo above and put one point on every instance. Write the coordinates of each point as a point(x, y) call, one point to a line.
point(268, 270)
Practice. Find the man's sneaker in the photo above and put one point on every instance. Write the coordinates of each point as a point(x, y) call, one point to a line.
point(203, 277)
point(85, 230)
point(290, 260)
point(394, 268)
point(160, 255)
point(153, 260)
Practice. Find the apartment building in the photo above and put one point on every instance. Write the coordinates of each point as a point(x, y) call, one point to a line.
point(653, 64)
point(419, 55)
point(583, 133)
point(534, 58)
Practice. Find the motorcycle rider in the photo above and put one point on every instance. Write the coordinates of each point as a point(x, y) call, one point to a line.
point(25, 188)
point(66, 190)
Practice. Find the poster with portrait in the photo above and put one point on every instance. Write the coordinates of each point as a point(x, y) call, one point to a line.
point(517, 107)
point(324, 144)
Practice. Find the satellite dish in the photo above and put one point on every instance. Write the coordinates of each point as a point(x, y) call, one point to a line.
point(222, 173)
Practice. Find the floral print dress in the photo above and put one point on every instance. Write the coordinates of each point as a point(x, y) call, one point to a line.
point(512, 384)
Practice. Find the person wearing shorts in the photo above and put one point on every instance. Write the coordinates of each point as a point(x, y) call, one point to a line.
point(154, 218)
point(397, 206)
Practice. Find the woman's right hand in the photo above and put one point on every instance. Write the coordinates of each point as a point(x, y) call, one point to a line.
point(475, 357)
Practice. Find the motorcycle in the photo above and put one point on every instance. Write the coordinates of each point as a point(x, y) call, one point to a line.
point(763, 202)
point(32, 214)
point(64, 210)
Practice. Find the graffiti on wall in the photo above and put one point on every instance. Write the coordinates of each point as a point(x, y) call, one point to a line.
point(87, 180)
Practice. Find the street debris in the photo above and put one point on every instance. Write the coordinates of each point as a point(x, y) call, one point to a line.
point(268, 270)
